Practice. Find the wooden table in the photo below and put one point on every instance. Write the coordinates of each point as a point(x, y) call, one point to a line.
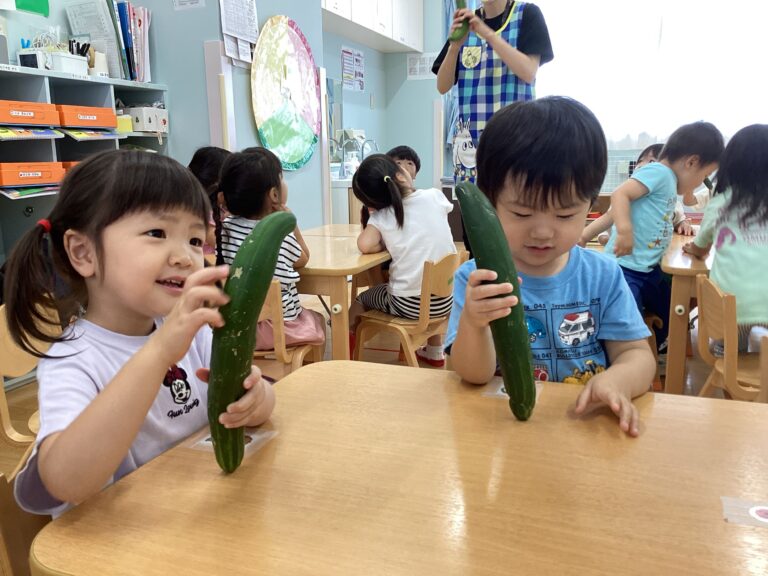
point(331, 260)
point(380, 469)
point(683, 268)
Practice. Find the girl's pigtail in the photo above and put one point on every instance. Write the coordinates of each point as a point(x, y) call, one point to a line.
point(396, 199)
point(213, 196)
point(29, 290)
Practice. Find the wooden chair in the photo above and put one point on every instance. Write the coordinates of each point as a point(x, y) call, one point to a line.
point(737, 374)
point(437, 280)
point(290, 358)
point(652, 321)
point(16, 362)
point(17, 527)
point(763, 395)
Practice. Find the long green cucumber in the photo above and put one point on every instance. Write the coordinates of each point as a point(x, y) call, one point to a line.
point(250, 275)
point(460, 32)
point(510, 334)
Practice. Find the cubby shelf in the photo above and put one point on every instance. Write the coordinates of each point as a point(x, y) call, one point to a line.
point(46, 86)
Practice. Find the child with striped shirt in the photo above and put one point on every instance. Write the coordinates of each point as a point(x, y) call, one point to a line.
point(253, 187)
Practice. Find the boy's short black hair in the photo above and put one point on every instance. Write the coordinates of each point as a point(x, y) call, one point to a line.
point(654, 150)
point(698, 138)
point(405, 153)
point(552, 145)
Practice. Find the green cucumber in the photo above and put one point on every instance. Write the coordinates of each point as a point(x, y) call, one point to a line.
point(510, 334)
point(460, 32)
point(250, 275)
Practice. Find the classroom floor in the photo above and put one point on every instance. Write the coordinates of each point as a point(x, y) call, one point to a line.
point(383, 349)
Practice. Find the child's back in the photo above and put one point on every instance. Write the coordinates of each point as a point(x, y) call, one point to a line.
point(736, 224)
point(253, 187)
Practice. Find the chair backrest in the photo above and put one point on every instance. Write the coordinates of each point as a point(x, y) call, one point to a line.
point(763, 394)
point(273, 310)
point(15, 362)
point(437, 280)
point(17, 528)
point(717, 321)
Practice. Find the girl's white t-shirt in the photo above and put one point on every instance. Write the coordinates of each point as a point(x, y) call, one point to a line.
point(87, 364)
point(425, 235)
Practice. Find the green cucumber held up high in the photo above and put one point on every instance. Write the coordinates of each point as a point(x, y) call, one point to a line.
point(461, 31)
point(510, 334)
point(250, 275)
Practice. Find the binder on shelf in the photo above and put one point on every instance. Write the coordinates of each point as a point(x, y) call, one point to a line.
point(18, 193)
point(82, 135)
point(28, 113)
point(30, 173)
point(17, 133)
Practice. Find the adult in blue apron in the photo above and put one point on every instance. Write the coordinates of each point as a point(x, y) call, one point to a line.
point(495, 64)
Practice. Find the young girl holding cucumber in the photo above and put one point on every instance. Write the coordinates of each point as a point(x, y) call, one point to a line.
point(582, 321)
point(253, 187)
point(413, 225)
point(126, 380)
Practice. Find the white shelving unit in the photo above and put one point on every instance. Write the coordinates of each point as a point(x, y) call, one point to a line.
point(43, 86)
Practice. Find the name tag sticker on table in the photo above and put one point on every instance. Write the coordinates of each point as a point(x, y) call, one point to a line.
point(255, 438)
point(748, 513)
point(495, 389)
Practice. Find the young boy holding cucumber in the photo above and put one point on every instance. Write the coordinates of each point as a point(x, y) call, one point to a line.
point(126, 380)
point(582, 321)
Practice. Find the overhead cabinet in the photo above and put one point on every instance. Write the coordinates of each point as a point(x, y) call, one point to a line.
point(384, 25)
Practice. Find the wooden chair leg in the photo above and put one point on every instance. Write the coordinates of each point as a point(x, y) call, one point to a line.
point(704, 392)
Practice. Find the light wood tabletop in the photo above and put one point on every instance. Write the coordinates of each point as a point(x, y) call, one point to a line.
point(331, 260)
point(379, 469)
point(683, 267)
point(334, 230)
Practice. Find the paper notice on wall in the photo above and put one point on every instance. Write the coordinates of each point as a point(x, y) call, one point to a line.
point(238, 19)
point(352, 69)
point(420, 66)
point(188, 4)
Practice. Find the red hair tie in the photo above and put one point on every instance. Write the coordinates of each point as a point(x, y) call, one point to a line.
point(46, 224)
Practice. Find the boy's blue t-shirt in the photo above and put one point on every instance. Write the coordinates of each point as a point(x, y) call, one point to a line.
point(568, 314)
point(652, 217)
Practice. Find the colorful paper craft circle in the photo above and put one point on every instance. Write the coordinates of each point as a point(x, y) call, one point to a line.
point(285, 92)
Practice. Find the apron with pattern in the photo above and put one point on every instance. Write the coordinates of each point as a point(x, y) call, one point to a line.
point(485, 86)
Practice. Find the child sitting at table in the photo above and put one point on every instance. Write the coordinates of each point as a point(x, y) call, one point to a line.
point(206, 166)
point(126, 380)
point(643, 208)
point(600, 227)
point(736, 222)
point(253, 187)
point(581, 317)
point(413, 226)
point(406, 158)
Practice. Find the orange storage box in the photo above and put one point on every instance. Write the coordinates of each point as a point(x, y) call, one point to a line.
point(30, 173)
point(70, 165)
point(28, 113)
point(86, 116)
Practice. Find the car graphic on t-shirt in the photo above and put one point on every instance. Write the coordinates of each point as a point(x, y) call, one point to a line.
point(576, 328)
point(536, 329)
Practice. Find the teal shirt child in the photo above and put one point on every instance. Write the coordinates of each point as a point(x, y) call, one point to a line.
point(652, 217)
point(740, 263)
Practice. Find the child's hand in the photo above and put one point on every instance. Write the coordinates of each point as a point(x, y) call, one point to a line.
point(458, 18)
point(624, 243)
point(253, 408)
point(685, 228)
point(693, 250)
point(195, 307)
point(600, 391)
point(486, 302)
point(602, 238)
